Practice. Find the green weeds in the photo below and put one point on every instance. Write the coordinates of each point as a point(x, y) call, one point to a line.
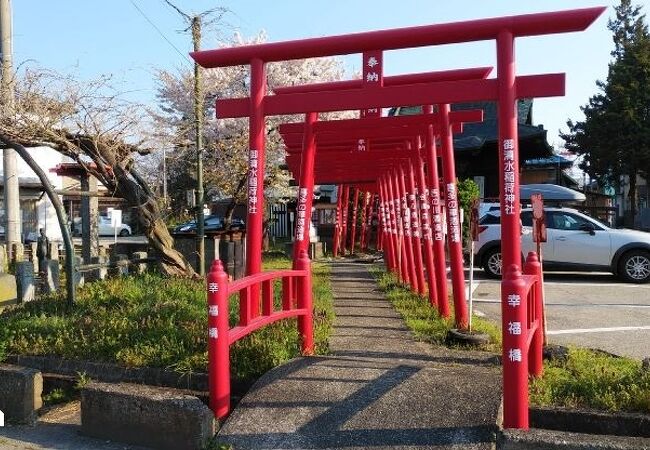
point(423, 319)
point(154, 321)
point(585, 379)
point(590, 379)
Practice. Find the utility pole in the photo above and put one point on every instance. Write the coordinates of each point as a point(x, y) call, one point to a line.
point(198, 126)
point(195, 24)
point(10, 172)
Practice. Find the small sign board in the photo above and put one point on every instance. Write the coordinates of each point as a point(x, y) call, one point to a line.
point(116, 217)
point(190, 198)
point(473, 220)
point(539, 218)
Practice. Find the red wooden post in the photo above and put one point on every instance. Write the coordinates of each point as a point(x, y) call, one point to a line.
point(515, 376)
point(402, 266)
point(364, 220)
point(439, 260)
point(305, 301)
point(408, 236)
point(391, 226)
point(454, 234)
point(508, 152)
point(416, 229)
point(385, 223)
point(306, 189)
point(515, 355)
point(427, 234)
point(267, 297)
point(535, 352)
point(337, 225)
point(218, 342)
point(344, 218)
point(353, 225)
point(375, 217)
point(287, 293)
point(256, 158)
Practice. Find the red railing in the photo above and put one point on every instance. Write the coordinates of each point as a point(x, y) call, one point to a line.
point(296, 302)
point(522, 338)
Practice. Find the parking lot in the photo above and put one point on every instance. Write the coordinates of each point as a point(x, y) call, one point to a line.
point(587, 309)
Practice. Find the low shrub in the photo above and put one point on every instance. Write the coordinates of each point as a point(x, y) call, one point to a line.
point(591, 379)
point(150, 320)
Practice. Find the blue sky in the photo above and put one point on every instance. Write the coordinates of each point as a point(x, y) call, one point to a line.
point(89, 38)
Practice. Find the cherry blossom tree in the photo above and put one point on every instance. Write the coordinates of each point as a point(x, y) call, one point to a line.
point(226, 140)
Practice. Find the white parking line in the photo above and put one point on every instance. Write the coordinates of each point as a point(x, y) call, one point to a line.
point(596, 330)
point(593, 283)
point(608, 305)
point(580, 283)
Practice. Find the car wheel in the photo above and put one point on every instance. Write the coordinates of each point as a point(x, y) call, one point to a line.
point(634, 267)
point(492, 263)
point(124, 232)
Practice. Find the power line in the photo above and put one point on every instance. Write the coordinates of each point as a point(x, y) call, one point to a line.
point(183, 55)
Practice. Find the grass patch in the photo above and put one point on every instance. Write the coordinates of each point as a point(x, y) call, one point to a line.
point(585, 379)
point(150, 320)
point(423, 319)
point(589, 379)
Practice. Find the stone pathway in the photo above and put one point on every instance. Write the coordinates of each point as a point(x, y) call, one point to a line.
point(379, 388)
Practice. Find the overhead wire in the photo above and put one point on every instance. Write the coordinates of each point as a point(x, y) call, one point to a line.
point(142, 13)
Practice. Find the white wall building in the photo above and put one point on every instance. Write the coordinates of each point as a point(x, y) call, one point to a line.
point(36, 209)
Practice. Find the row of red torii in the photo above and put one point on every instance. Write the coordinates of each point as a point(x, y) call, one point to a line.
point(394, 162)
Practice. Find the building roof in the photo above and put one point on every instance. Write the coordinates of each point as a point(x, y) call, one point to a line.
point(476, 135)
point(551, 161)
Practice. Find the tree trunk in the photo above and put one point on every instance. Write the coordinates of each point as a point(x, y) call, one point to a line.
point(136, 192)
point(230, 209)
point(60, 215)
point(632, 196)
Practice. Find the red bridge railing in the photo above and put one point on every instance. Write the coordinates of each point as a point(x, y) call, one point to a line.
point(523, 338)
point(296, 302)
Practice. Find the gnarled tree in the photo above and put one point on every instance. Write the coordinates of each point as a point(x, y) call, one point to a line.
point(93, 124)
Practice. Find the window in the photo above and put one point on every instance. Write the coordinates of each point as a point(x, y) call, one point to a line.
point(494, 218)
point(566, 221)
point(213, 221)
point(490, 219)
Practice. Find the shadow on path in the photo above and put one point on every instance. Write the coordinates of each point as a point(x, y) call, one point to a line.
point(380, 388)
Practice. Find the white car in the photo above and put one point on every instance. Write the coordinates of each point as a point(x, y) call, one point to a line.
point(104, 228)
point(574, 242)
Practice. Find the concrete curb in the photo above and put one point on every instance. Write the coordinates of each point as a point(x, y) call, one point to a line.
point(143, 415)
point(592, 422)
point(536, 439)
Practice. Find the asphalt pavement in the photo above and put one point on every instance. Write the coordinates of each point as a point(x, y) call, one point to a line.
point(593, 310)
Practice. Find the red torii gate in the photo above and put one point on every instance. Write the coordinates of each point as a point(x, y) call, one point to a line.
point(505, 89)
point(353, 130)
point(335, 156)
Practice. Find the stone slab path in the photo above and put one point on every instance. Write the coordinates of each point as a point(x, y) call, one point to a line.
point(379, 388)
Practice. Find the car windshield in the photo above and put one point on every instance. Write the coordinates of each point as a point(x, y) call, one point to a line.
point(494, 218)
point(598, 221)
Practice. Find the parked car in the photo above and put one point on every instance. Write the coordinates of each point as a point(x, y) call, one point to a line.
point(211, 223)
point(104, 228)
point(575, 241)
